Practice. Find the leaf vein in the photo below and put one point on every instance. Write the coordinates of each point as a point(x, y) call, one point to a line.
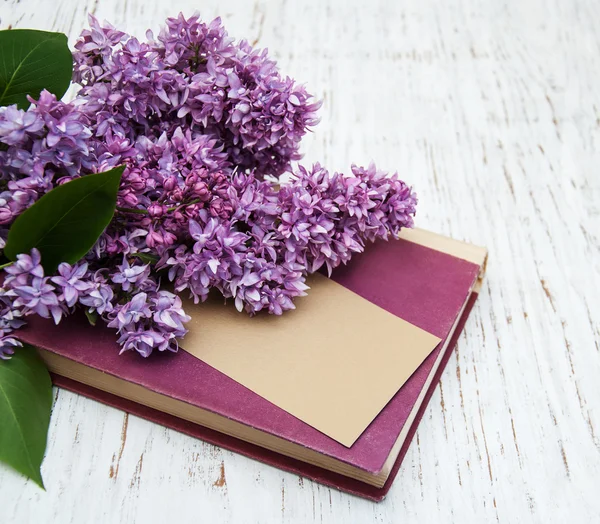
point(19, 67)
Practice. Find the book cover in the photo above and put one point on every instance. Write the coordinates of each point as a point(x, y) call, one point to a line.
point(408, 278)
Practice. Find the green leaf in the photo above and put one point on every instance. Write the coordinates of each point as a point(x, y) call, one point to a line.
point(25, 405)
point(92, 316)
point(66, 222)
point(31, 61)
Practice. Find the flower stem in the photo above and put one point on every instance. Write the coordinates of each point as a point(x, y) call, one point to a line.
point(175, 208)
point(132, 210)
point(145, 211)
point(2, 266)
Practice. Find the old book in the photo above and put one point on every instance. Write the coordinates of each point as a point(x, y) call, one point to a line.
point(332, 391)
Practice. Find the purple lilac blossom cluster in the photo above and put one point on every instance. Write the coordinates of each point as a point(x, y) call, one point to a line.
point(204, 126)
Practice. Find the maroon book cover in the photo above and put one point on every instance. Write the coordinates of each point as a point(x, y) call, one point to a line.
point(421, 285)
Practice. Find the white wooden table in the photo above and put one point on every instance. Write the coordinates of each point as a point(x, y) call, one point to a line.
point(492, 110)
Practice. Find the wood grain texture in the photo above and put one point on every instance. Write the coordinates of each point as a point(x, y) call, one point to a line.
point(492, 111)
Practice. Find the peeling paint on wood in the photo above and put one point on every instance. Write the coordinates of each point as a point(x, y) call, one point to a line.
point(221, 482)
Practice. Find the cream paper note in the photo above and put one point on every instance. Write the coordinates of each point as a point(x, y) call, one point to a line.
point(334, 362)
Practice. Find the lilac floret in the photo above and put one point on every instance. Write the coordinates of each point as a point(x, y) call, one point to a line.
point(8, 344)
point(144, 341)
point(132, 312)
point(130, 276)
point(99, 299)
point(25, 267)
point(17, 125)
point(169, 314)
point(39, 297)
point(70, 281)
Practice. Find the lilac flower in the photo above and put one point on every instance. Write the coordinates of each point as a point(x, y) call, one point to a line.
point(7, 345)
point(231, 91)
point(132, 312)
point(204, 126)
point(150, 322)
point(31, 166)
point(13, 202)
point(24, 268)
point(99, 39)
point(16, 125)
point(26, 291)
point(67, 130)
point(70, 281)
point(144, 341)
point(169, 314)
point(99, 299)
point(3, 231)
point(10, 317)
point(325, 218)
point(38, 297)
point(129, 276)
